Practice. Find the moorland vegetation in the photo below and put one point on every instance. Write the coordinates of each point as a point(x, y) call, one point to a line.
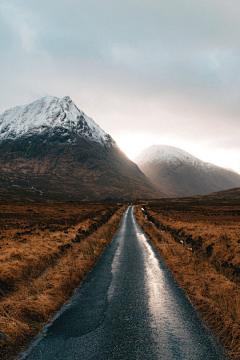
point(47, 249)
point(200, 243)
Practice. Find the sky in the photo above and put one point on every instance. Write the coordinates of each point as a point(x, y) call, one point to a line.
point(147, 71)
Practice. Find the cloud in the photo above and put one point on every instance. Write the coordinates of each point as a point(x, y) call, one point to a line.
point(160, 67)
point(21, 23)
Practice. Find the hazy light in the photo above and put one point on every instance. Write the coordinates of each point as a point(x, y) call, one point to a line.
point(140, 88)
point(134, 144)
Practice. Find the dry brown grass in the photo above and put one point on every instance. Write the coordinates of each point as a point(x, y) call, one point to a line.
point(211, 230)
point(212, 292)
point(38, 274)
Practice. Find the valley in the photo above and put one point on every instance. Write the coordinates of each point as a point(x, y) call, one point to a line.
point(119, 180)
point(128, 307)
point(64, 187)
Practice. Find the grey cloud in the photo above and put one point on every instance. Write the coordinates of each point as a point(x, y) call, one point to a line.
point(158, 65)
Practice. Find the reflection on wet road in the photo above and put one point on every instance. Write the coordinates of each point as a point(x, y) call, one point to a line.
point(128, 308)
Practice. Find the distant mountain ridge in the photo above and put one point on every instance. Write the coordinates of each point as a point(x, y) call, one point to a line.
point(51, 149)
point(232, 195)
point(183, 173)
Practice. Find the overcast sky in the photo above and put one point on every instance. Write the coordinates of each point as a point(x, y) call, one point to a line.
point(147, 71)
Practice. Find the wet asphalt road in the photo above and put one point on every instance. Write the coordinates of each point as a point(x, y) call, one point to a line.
point(128, 308)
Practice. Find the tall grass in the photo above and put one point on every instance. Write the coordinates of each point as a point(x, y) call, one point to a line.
point(215, 296)
point(28, 306)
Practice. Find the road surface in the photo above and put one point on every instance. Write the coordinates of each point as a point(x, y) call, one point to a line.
point(128, 308)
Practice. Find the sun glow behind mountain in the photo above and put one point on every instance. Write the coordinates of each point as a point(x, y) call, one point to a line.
point(134, 144)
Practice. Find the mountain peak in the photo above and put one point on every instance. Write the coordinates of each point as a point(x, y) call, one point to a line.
point(156, 153)
point(67, 98)
point(170, 155)
point(50, 114)
point(51, 148)
point(185, 174)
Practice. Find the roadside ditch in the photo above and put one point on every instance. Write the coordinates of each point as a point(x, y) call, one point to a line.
point(216, 297)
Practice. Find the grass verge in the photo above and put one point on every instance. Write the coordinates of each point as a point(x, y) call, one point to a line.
point(215, 296)
point(32, 303)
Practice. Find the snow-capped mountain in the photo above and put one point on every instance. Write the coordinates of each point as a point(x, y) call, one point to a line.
point(49, 114)
point(171, 155)
point(51, 149)
point(183, 173)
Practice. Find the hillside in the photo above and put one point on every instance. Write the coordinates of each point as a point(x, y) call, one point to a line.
point(183, 173)
point(50, 149)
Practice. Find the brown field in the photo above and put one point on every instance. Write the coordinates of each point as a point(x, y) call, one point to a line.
point(46, 251)
point(200, 243)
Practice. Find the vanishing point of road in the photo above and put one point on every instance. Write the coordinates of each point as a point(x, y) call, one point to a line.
point(128, 308)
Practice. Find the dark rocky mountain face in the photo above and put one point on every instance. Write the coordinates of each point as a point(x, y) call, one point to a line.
point(184, 174)
point(70, 162)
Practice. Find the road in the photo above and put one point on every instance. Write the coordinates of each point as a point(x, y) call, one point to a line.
point(128, 308)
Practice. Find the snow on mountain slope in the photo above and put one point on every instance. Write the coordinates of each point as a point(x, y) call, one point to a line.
point(53, 147)
point(171, 156)
point(49, 113)
point(183, 173)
